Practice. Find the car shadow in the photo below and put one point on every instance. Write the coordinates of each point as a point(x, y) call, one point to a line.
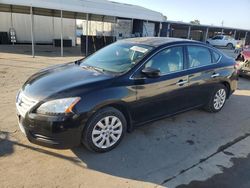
point(153, 153)
point(7, 147)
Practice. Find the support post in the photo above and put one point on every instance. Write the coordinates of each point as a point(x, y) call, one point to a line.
point(75, 29)
point(11, 21)
point(160, 28)
point(11, 17)
point(114, 28)
point(245, 38)
point(87, 35)
point(53, 26)
point(168, 31)
point(132, 27)
point(222, 31)
point(146, 28)
point(103, 25)
point(61, 33)
point(206, 35)
point(189, 32)
point(32, 31)
point(235, 34)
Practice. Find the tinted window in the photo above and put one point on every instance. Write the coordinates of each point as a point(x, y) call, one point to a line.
point(216, 56)
point(218, 38)
point(118, 57)
point(198, 56)
point(168, 60)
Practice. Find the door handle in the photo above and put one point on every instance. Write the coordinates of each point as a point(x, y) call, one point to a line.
point(215, 75)
point(182, 82)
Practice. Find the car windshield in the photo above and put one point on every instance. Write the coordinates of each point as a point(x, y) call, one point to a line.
point(119, 57)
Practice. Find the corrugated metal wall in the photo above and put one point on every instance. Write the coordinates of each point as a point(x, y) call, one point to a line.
point(43, 27)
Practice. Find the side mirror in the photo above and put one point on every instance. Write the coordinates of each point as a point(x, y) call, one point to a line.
point(151, 72)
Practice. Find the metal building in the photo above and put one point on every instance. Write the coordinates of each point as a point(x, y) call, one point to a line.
point(47, 21)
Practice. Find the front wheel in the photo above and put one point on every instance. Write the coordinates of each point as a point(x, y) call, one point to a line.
point(105, 130)
point(217, 100)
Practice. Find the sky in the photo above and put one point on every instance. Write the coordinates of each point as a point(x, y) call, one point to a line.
point(232, 13)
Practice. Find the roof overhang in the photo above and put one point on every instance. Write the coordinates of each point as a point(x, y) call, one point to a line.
point(179, 24)
point(98, 10)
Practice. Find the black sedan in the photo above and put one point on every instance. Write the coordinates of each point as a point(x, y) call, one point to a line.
point(95, 101)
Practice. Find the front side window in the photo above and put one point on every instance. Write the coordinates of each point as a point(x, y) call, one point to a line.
point(198, 56)
point(119, 57)
point(167, 61)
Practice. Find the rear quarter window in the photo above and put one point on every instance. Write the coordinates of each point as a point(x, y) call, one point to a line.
point(199, 56)
point(216, 56)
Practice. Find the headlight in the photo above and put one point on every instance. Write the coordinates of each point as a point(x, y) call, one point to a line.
point(17, 96)
point(58, 106)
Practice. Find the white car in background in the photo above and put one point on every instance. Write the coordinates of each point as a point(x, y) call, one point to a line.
point(223, 41)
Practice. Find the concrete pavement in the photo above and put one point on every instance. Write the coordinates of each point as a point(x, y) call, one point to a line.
point(166, 153)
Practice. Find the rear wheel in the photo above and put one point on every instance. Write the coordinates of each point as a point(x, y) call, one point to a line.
point(217, 100)
point(230, 46)
point(105, 130)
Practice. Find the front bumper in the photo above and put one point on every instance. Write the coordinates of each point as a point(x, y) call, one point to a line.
point(244, 72)
point(61, 132)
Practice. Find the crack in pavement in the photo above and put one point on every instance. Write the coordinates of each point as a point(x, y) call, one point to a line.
point(220, 149)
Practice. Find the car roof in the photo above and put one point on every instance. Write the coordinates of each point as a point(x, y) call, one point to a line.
point(158, 41)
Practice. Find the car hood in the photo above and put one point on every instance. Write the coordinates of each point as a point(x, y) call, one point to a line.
point(60, 79)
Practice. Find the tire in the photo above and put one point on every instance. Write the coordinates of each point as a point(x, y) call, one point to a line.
point(215, 104)
point(105, 130)
point(230, 46)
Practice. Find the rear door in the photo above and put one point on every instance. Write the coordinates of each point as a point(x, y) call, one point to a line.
point(203, 73)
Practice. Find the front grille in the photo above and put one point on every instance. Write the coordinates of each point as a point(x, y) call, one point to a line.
point(24, 104)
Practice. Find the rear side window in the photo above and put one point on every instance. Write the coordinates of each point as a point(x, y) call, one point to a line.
point(199, 56)
point(218, 38)
point(216, 56)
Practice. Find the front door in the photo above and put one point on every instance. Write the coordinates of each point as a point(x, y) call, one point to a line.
point(164, 95)
point(217, 41)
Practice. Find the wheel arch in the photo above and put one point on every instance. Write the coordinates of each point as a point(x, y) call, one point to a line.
point(122, 107)
point(230, 43)
point(227, 85)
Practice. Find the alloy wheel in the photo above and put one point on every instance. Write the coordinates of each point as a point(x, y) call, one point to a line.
point(107, 132)
point(219, 99)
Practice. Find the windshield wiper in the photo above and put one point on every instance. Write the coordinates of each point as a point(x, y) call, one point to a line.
point(93, 68)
